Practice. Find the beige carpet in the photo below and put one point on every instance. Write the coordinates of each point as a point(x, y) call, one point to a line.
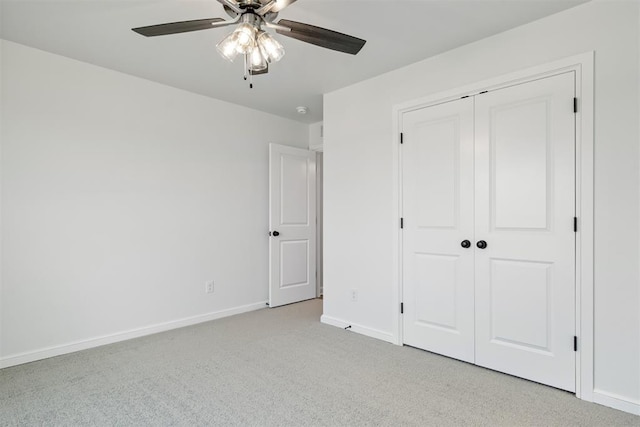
point(278, 367)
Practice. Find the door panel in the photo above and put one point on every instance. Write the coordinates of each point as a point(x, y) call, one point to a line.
point(294, 182)
point(435, 299)
point(292, 208)
point(525, 204)
point(438, 213)
point(294, 263)
point(521, 148)
point(438, 175)
point(520, 290)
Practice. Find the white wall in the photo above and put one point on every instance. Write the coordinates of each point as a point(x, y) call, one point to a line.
point(360, 225)
point(315, 136)
point(120, 198)
point(1, 127)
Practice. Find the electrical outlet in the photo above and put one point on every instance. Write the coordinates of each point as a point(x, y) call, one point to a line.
point(208, 287)
point(354, 295)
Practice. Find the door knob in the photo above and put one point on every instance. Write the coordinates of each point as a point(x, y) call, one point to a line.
point(481, 244)
point(465, 244)
point(276, 234)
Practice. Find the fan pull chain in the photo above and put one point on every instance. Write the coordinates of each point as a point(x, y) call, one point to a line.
point(246, 67)
point(247, 71)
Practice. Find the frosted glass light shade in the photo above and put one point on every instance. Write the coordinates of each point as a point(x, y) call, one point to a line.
point(257, 61)
point(245, 36)
point(228, 47)
point(271, 49)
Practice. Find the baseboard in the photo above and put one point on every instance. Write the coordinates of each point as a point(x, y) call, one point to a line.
point(45, 353)
point(617, 402)
point(364, 330)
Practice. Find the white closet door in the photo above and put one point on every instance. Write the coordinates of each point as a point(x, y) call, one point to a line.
point(437, 157)
point(525, 207)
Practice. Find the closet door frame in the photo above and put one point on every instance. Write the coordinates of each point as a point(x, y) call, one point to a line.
point(583, 66)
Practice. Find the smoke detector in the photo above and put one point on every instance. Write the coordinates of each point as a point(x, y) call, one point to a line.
point(302, 110)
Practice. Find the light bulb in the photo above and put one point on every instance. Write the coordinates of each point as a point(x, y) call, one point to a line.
point(257, 61)
point(228, 47)
point(245, 34)
point(272, 50)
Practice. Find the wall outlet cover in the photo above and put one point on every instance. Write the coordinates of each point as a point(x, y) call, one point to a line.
point(208, 287)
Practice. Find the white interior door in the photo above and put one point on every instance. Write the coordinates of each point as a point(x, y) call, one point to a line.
point(292, 225)
point(525, 208)
point(438, 293)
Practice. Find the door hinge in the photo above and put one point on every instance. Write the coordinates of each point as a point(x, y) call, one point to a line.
point(401, 222)
point(575, 343)
point(575, 224)
point(401, 308)
point(575, 105)
point(401, 138)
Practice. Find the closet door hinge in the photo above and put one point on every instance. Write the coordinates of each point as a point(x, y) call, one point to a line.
point(401, 222)
point(401, 138)
point(401, 308)
point(575, 224)
point(575, 105)
point(575, 343)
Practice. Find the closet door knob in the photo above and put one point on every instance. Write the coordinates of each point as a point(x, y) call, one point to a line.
point(276, 234)
point(481, 244)
point(465, 244)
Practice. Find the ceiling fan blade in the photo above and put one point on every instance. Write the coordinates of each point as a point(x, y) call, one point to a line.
point(321, 37)
point(177, 27)
point(281, 4)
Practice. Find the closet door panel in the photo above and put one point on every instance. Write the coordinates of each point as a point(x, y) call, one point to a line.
point(437, 157)
point(524, 209)
point(520, 165)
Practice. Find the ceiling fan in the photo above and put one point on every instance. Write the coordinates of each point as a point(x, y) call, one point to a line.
point(250, 40)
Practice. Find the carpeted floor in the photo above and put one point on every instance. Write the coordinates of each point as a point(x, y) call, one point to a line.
point(278, 367)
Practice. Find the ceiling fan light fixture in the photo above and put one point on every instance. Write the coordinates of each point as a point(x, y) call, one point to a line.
point(271, 49)
point(228, 47)
point(257, 47)
point(257, 62)
point(245, 37)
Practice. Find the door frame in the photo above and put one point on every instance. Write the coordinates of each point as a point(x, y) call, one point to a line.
point(319, 150)
point(583, 66)
point(319, 223)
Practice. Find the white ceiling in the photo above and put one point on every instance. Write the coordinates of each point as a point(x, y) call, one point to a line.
point(398, 33)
